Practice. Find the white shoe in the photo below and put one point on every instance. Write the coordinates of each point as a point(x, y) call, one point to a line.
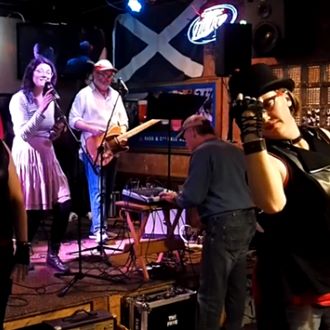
point(101, 237)
point(112, 235)
point(73, 217)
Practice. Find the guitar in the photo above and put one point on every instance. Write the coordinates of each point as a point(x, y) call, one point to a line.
point(113, 143)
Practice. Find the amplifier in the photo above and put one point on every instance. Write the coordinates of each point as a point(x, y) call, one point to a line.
point(173, 308)
point(83, 320)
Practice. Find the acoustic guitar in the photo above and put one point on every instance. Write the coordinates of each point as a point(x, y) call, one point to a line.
point(113, 143)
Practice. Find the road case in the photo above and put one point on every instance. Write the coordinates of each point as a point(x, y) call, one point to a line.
point(173, 308)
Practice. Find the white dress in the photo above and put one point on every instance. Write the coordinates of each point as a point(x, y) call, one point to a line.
point(42, 179)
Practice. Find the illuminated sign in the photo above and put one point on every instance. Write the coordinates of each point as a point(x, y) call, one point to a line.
point(203, 29)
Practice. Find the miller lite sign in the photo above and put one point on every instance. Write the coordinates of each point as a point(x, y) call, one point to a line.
point(203, 29)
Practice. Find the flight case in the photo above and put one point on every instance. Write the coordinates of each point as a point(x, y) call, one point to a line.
point(173, 308)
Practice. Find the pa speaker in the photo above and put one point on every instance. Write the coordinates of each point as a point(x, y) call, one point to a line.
point(268, 29)
point(232, 48)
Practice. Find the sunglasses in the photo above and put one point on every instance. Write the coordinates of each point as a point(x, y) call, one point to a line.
point(105, 75)
point(269, 102)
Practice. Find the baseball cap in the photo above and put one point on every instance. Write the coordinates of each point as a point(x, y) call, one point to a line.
point(103, 65)
point(193, 121)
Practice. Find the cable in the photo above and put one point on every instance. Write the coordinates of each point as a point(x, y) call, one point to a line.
point(20, 15)
point(189, 243)
point(114, 5)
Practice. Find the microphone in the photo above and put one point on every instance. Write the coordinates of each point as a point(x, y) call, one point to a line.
point(122, 86)
point(49, 86)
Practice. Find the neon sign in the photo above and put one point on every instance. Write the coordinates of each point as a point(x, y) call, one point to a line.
point(203, 29)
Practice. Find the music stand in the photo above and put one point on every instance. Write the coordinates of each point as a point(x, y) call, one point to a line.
point(171, 106)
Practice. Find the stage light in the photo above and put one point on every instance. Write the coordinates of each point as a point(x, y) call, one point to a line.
point(134, 5)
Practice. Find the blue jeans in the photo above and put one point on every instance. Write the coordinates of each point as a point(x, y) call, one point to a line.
point(223, 274)
point(99, 194)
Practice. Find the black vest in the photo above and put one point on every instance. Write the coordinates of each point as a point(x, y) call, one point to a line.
point(298, 237)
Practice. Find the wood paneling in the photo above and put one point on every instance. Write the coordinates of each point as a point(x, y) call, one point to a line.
point(151, 164)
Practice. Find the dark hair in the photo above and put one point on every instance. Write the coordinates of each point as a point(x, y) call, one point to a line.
point(205, 128)
point(295, 107)
point(27, 82)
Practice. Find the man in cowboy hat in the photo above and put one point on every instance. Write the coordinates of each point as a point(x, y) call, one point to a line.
point(288, 172)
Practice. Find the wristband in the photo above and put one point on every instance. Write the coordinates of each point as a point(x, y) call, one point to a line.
point(252, 147)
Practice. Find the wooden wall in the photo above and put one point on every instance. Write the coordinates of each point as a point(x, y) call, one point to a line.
point(149, 164)
point(146, 164)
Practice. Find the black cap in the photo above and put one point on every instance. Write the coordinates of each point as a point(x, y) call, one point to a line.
point(256, 80)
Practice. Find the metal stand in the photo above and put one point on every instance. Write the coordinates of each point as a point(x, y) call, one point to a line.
point(171, 106)
point(79, 275)
point(100, 154)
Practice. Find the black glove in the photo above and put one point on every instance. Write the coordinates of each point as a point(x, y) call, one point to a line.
point(22, 254)
point(247, 113)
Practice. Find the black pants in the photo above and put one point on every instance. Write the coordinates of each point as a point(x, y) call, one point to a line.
point(59, 225)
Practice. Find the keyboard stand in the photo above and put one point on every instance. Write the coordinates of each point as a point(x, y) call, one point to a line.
point(144, 247)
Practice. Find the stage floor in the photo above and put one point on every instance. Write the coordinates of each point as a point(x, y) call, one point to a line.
point(101, 276)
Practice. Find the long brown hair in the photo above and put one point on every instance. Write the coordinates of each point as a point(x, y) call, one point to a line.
point(27, 82)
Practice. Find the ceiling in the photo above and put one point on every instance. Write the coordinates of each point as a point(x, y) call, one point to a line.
point(95, 11)
point(60, 11)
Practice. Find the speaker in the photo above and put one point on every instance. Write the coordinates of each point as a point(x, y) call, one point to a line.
point(268, 25)
point(232, 48)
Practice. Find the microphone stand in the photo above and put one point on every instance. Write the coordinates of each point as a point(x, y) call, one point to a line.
point(78, 275)
point(100, 170)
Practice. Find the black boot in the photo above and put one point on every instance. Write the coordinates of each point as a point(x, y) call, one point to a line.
point(31, 265)
point(54, 260)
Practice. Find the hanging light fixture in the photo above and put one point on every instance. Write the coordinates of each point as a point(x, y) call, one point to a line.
point(134, 5)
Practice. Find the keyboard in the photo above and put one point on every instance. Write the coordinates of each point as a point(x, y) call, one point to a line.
point(145, 195)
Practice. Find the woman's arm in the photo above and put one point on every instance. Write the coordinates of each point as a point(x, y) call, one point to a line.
point(266, 177)
point(24, 124)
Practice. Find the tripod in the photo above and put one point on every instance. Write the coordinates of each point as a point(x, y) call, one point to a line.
point(79, 275)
